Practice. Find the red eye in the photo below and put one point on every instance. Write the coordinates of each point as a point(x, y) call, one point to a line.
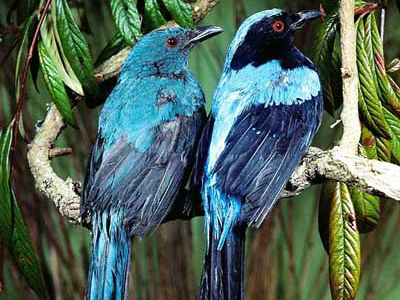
point(278, 26)
point(172, 42)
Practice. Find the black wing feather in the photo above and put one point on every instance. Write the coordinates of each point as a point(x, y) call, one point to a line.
point(262, 150)
point(144, 184)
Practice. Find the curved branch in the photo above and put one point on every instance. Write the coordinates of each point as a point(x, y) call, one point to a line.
point(375, 177)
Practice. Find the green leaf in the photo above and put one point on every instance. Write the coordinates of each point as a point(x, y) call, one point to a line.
point(12, 227)
point(367, 208)
point(153, 17)
point(181, 12)
point(327, 191)
point(75, 48)
point(371, 110)
point(127, 19)
point(383, 147)
point(387, 94)
point(394, 126)
point(54, 84)
point(116, 44)
point(368, 142)
point(322, 57)
point(344, 245)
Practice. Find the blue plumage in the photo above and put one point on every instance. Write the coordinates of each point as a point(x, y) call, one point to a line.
point(148, 131)
point(266, 110)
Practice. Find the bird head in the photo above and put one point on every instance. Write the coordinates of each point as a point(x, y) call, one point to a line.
point(165, 51)
point(267, 35)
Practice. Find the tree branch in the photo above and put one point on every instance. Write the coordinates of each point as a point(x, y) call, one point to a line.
point(350, 119)
point(375, 177)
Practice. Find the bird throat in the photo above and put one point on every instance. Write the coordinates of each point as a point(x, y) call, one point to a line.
point(256, 55)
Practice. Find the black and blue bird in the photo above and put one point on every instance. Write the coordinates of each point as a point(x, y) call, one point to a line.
point(142, 157)
point(266, 111)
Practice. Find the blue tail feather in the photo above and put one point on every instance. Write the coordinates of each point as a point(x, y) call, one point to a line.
point(223, 272)
point(109, 264)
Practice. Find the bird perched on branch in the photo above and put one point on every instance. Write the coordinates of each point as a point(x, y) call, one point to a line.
point(143, 153)
point(266, 110)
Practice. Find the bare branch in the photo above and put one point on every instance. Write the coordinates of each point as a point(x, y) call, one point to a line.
point(56, 152)
point(349, 116)
point(62, 193)
point(201, 8)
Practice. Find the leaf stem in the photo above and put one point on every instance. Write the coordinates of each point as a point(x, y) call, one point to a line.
point(20, 102)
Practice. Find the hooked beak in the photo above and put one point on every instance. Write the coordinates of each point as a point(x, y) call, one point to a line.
point(305, 17)
point(200, 34)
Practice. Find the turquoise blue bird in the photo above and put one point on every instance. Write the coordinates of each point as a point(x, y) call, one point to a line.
point(266, 111)
point(142, 157)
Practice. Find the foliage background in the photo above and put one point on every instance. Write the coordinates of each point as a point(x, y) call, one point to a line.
point(285, 258)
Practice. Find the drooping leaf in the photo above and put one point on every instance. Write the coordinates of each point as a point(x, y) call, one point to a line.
point(393, 66)
point(74, 47)
point(367, 209)
point(387, 94)
point(368, 142)
point(322, 57)
point(327, 191)
point(153, 17)
point(383, 147)
point(344, 246)
point(394, 126)
point(370, 107)
point(336, 75)
point(127, 19)
point(12, 227)
point(27, 29)
point(54, 84)
point(116, 44)
point(181, 12)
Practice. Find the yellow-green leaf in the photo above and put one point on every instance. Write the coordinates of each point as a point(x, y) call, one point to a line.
point(12, 227)
point(344, 245)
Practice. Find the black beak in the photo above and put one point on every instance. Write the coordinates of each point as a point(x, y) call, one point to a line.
point(200, 34)
point(305, 17)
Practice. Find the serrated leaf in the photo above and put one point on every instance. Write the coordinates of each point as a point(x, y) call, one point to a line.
point(368, 142)
point(393, 66)
point(51, 40)
point(127, 19)
point(116, 44)
point(387, 94)
point(367, 208)
point(384, 149)
point(336, 75)
point(322, 57)
point(153, 17)
point(181, 12)
point(54, 84)
point(27, 29)
point(394, 126)
point(12, 227)
point(327, 191)
point(344, 245)
point(370, 107)
point(74, 47)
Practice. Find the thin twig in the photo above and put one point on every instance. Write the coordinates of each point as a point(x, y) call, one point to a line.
point(20, 102)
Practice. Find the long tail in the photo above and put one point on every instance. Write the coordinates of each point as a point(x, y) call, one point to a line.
point(109, 263)
point(223, 272)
